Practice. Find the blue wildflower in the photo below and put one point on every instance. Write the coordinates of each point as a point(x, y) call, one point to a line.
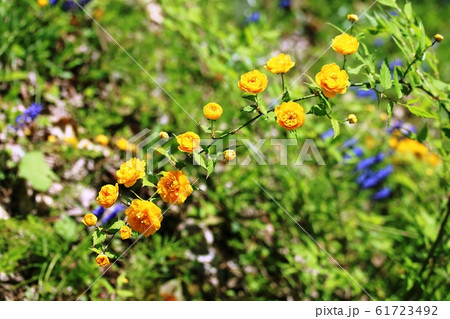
point(327, 134)
point(370, 161)
point(393, 13)
point(99, 211)
point(349, 143)
point(358, 151)
point(377, 177)
point(115, 211)
point(254, 17)
point(383, 193)
point(361, 179)
point(378, 42)
point(285, 4)
point(29, 115)
point(53, 2)
point(367, 93)
point(70, 5)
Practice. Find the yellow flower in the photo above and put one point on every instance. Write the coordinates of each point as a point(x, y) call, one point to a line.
point(188, 142)
point(52, 138)
point(144, 217)
point(332, 80)
point(280, 64)
point(108, 195)
point(352, 17)
point(438, 37)
point(163, 135)
point(229, 155)
point(72, 141)
point(290, 115)
point(124, 145)
point(130, 172)
point(345, 44)
point(174, 187)
point(102, 260)
point(102, 139)
point(253, 82)
point(352, 119)
point(434, 160)
point(212, 111)
point(125, 232)
point(90, 219)
point(42, 3)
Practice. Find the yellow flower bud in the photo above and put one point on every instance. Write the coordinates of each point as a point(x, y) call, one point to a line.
point(163, 135)
point(438, 37)
point(102, 139)
point(352, 119)
point(90, 219)
point(52, 138)
point(72, 141)
point(212, 111)
point(102, 260)
point(125, 232)
point(229, 155)
point(352, 17)
point(42, 3)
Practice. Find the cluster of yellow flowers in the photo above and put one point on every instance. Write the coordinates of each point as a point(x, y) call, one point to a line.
point(404, 145)
point(143, 216)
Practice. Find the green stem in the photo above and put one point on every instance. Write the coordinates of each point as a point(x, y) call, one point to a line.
point(345, 60)
point(282, 83)
point(306, 97)
point(213, 129)
point(416, 58)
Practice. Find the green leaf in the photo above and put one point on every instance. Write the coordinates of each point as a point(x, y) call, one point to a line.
point(318, 110)
point(249, 108)
point(336, 27)
point(286, 96)
point(389, 111)
point(421, 112)
point(35, 169)
point(408, 11)
point(199, 159)
point(115, 227)
point(250, 97)
point(95, 250)
point(389, 3)
point(206, 129)
point(354, 70)
point(210, 167)
point(98, 237)
point(397, 85)
point(385, 77)
point(423, 134)
point(147, 183)
point(336, 127)
point(111, 255)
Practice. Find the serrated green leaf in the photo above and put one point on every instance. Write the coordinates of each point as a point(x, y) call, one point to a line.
point(408, 11)
point(95, 250)
point(390, 109)
point(397, 85)
point(354, 70)
point(389, 3)
point(249, 108)
point(111, 255)
point(336, 127)
point(199, 159)
point(385, 77)
point(206, 129)
point(421, 112)
point(210, 167)
point(115, 227)
point(98, 237)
